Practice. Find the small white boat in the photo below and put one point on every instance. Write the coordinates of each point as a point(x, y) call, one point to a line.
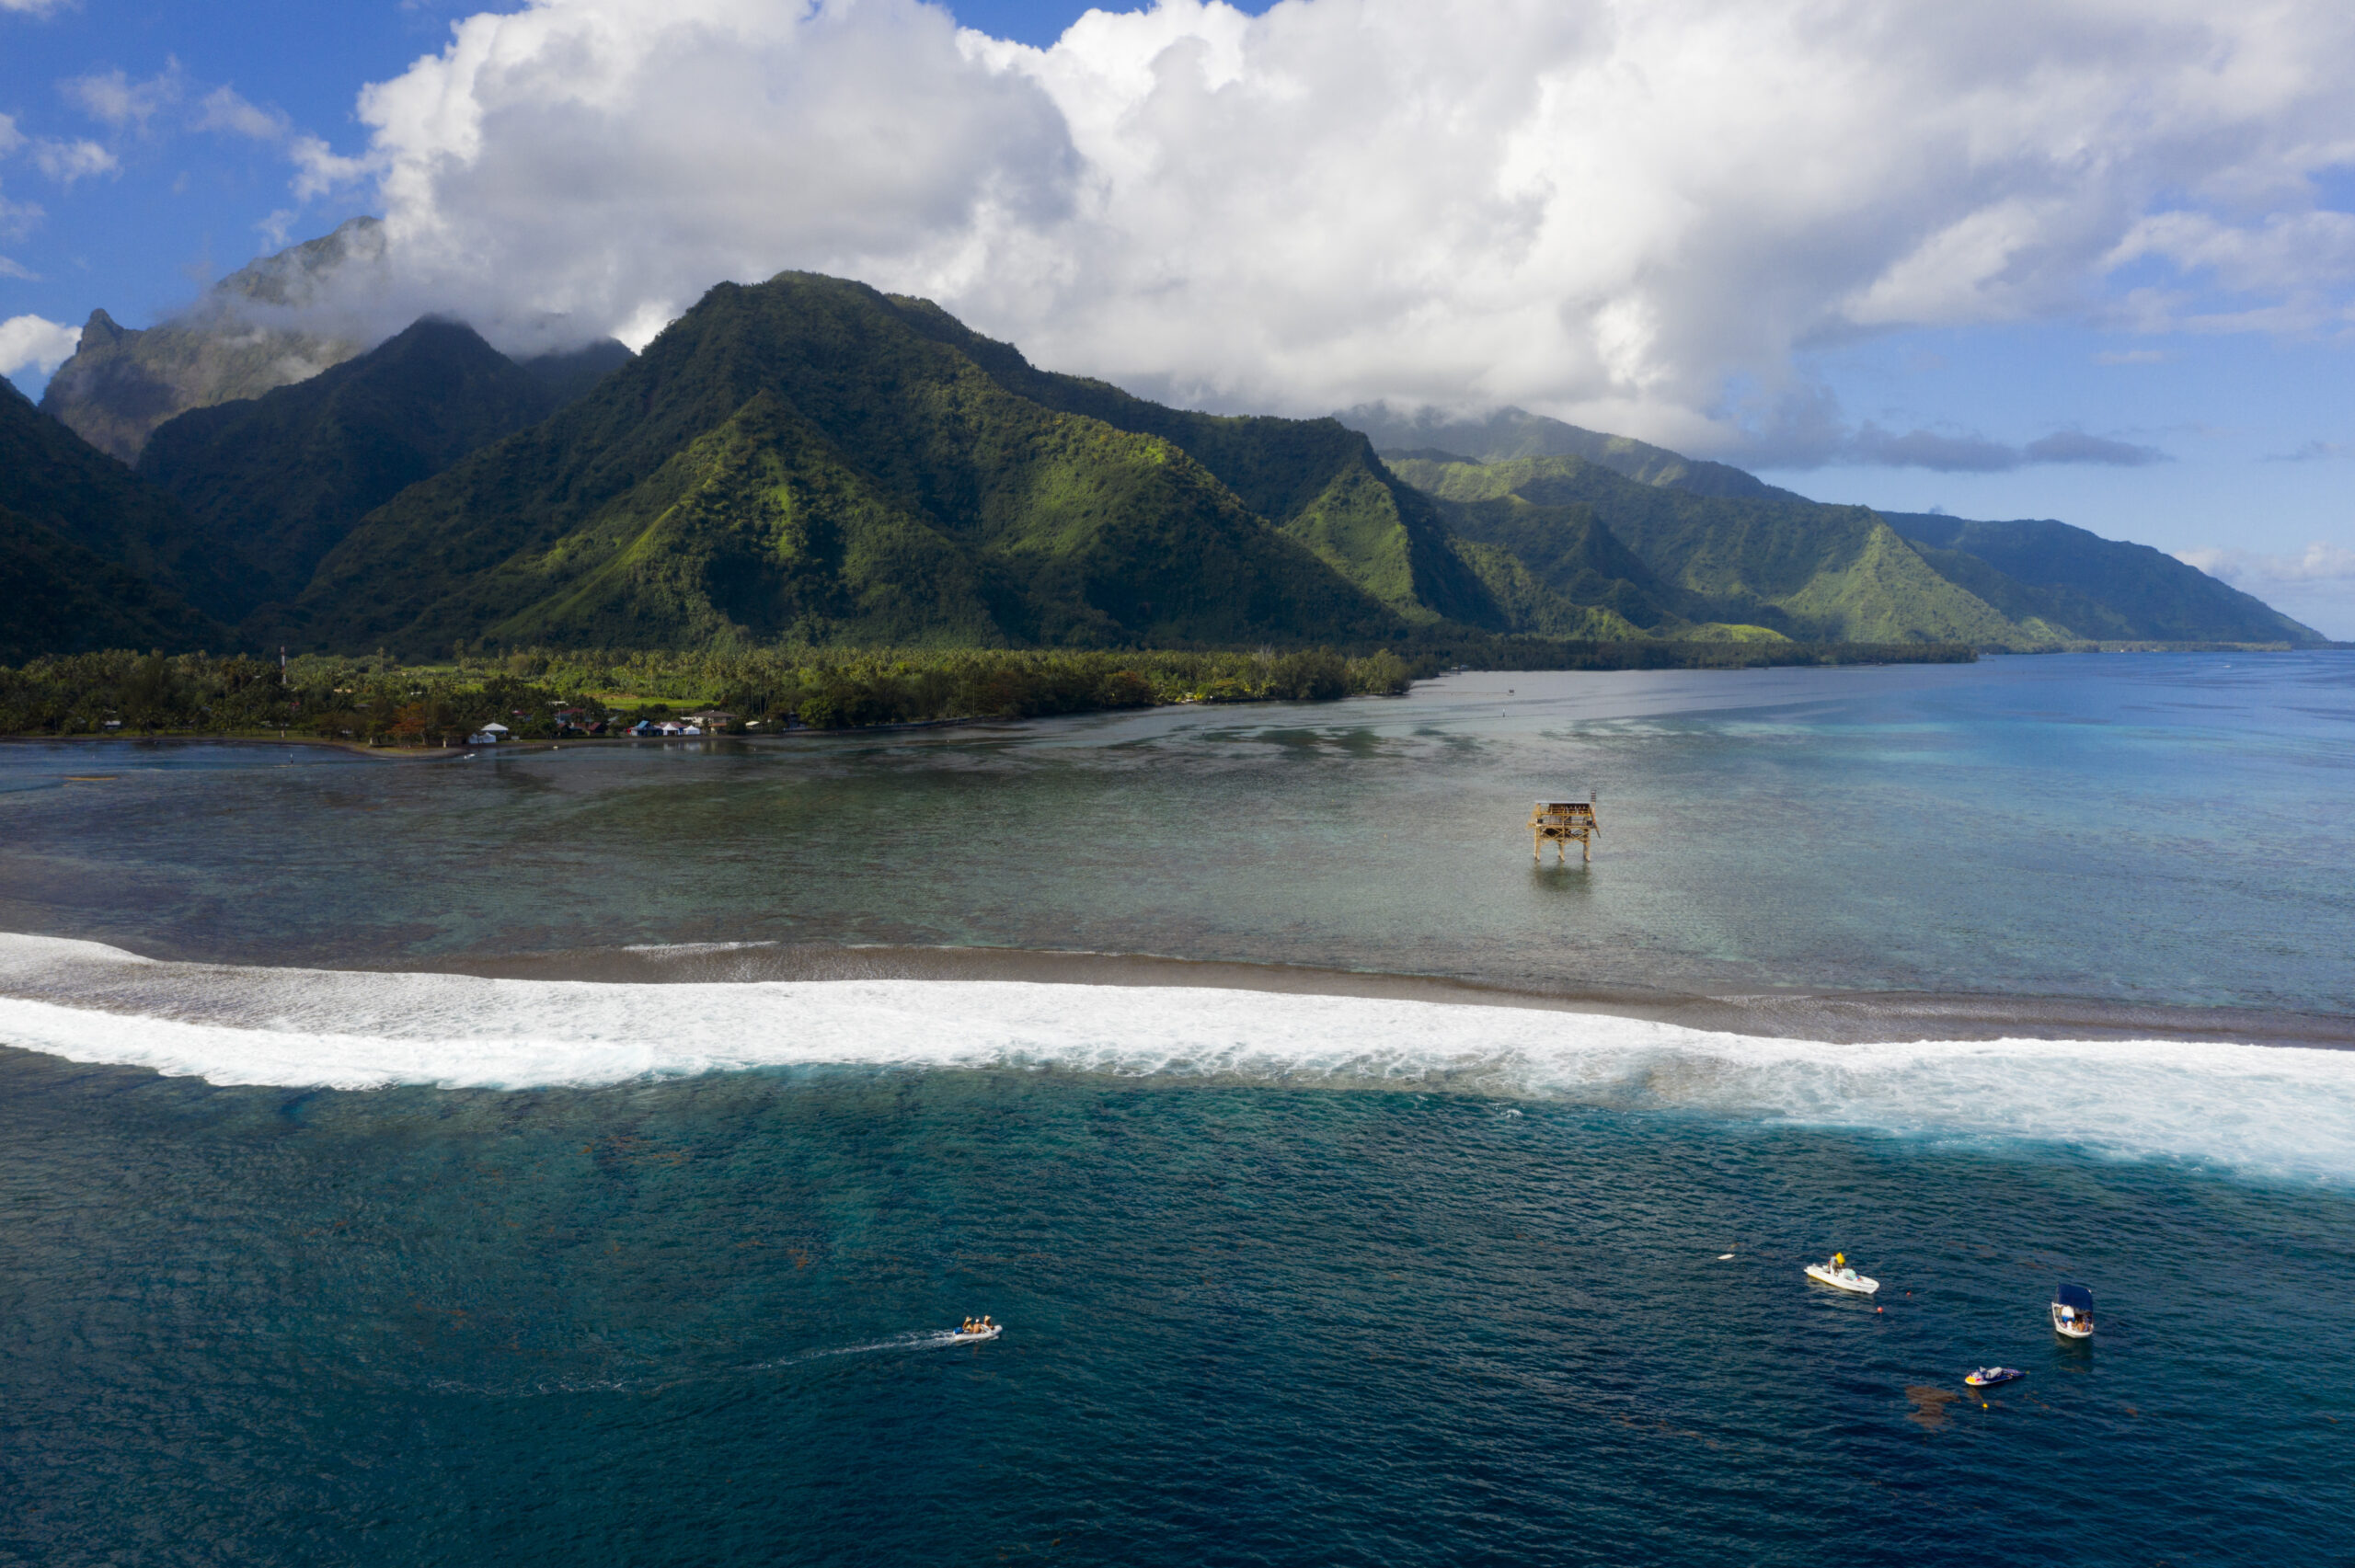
point(1840, 1277)
point(974, 1336)
point(2073, 1312)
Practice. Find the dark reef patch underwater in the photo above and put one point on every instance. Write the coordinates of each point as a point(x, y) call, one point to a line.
point(645, 1272)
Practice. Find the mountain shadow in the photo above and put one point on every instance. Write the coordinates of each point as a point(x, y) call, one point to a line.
point(113, 550)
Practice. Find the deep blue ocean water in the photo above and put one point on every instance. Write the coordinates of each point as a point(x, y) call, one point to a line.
point(1435, 1284)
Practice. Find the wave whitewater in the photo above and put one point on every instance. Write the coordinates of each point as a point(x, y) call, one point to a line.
point(2280, 1110)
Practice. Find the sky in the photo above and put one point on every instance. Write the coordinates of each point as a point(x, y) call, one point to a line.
point(2092, 260)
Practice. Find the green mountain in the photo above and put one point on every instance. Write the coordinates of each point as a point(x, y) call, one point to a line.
point(120, 385)
point(1317, 480)
point(53, 480)
point(57, 598)
point(808, 459)
point(2044, 583)
point(69, 517)
point(1798, 567)
point(287, 473)
point(2095, 588)
point(811, 458)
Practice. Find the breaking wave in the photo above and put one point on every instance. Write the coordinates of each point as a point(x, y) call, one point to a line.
point(2270, 1109)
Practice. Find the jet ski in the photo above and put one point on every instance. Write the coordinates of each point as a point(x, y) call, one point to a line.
point(1988, 1376)
point(2073, 1312)
point(1840, 1277)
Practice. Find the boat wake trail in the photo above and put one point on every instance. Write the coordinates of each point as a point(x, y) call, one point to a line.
point(931, 1339)
point(2276, 1110)
point(939, 1339)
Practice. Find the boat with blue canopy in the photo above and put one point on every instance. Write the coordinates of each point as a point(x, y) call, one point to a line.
point(2073, 1312)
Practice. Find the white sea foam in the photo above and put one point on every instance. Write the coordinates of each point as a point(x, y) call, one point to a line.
point(2287, 1111)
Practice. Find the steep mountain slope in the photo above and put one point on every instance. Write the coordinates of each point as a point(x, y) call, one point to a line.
point(1575, 557)
point(2098, 588)
point(1509, 433)
point(1799, 568)
point(53, 480)
point(57, 598)
point(287, 473)
point(61, 596)
point(1317, 480)
point(235, 343)
point(796, 458)
point(2051, 580)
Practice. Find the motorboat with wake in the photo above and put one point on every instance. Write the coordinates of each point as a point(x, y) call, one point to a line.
point(1991, 1376)
point(975, 1330)
point(2073, 1312)
point(1840, 1277)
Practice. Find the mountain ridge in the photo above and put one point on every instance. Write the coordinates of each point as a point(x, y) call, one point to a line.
point(287, 473)
point(1066, 528)
point(810, 460)
point(2048, 583)
point(237, 341)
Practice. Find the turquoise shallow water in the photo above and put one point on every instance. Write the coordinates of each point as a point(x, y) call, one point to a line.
point(2167, 829)
point(639, 1271)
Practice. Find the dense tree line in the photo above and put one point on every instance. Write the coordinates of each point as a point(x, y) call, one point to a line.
point(543, 695)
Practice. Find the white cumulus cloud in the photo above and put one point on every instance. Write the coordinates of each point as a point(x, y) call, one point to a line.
point(225, 109)
point(114, 98)
point(28, 342)
point(2317, 585)
point(2319, 563)
point(66, 162)
point(1622, 211)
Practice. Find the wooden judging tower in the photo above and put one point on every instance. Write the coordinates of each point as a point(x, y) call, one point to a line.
point(1560, 821)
